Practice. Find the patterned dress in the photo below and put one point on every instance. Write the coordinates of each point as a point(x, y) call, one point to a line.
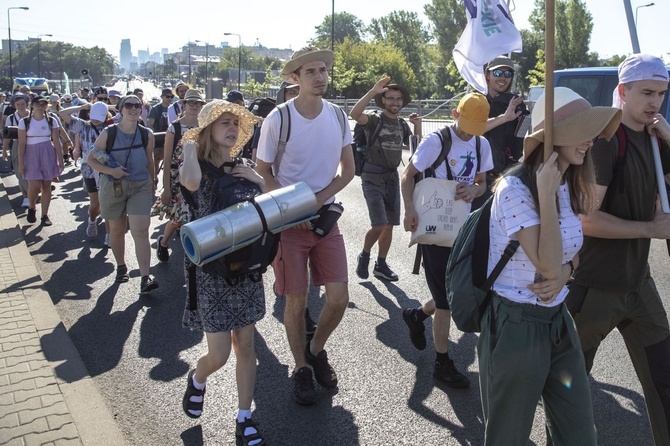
point(221, 307)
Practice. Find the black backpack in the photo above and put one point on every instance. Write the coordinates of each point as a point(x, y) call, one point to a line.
point(249, 262)
point(506, 147)
point(361, 143)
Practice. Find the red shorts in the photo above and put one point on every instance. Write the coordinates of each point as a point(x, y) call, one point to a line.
point(327, 260)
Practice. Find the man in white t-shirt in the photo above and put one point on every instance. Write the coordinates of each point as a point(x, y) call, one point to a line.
point(319, 144)
point(467, 164)
point(175, 109)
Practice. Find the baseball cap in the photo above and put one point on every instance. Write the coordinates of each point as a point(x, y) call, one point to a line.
point(500, 62)
point(67, 97)
point(473, 112)
point(54, 97)
point(234, 95)
point(116, 93)
point(166, 92)
point(98, 111)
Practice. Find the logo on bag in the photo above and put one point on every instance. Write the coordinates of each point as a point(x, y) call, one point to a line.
point(433, 203)
point(431, 229)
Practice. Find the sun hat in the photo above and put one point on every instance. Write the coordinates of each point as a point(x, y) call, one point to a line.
point(500, 62)
point(213, 111)
point(178, 85)
point(193, 95)
point(473, 112)
point(639, 67)
point(575, 121)
point(405, 95)
point(98, 111)
point(281, 93)
point(306, 55)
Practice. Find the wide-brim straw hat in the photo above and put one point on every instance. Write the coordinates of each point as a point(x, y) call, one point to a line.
point(178, 85)
point(575, 122)
point(213, 111)
point(193, 95)
point(405, 96)
point(307, 55)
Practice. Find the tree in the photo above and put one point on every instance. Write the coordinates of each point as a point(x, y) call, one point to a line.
point(346, 25)
point(536, 75)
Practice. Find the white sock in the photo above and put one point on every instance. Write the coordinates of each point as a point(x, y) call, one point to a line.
point(90, 220)
point(194, 398)
point(246, 415)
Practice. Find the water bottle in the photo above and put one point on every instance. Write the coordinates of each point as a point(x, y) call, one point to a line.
point(103, 158)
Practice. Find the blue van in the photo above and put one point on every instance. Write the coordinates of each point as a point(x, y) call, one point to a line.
point(596, 85)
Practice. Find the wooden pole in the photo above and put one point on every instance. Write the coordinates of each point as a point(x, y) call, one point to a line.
point(550, 25)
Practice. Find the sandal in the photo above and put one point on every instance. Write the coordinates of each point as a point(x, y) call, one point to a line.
point(122, 274)
point(191, 390)
point(244, 440)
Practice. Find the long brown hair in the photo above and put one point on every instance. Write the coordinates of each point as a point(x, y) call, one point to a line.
point(579, 178)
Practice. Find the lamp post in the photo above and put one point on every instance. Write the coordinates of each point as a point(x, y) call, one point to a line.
point(9, 32)
point(206, 61)
point(239, 57)
point(637, 8)
point(39, 40)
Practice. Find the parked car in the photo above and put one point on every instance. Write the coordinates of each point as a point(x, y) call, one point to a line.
point(534, 94)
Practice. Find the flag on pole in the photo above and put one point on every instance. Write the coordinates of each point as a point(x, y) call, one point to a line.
point(489, 33)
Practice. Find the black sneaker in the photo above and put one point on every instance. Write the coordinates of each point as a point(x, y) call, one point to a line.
point(32, 218)
point(303, 387)
point(416, 329)
point(382, 271)
point(448, 374)
point(323, 372)
point(363, 265)
point(147, 284)
point(46, 221)
point(162, 252)
point(310, 325)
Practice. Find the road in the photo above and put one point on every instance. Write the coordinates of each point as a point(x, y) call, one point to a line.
point(138, 354)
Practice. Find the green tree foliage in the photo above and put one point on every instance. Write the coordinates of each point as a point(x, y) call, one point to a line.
point(527, 59)
point(346, 25)
point(536, 74)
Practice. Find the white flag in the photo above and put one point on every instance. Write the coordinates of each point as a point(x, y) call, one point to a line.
point(489, 33)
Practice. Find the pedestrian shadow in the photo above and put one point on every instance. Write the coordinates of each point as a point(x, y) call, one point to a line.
point(320, 423)
point(315, 303)
point(193, 436)
point(465, 402)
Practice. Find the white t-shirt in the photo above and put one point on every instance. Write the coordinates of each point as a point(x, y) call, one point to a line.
point(462, 157)
point(38, 130)
point(173, 115)
point(313, 150)
point(514, 209)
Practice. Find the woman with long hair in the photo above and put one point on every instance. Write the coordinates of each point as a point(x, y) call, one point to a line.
point(227, 314)
point(529, 348)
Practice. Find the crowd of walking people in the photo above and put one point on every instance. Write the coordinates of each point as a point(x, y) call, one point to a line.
point(581, 268)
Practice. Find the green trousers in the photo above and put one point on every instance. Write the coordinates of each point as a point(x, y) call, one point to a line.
point(527, 352)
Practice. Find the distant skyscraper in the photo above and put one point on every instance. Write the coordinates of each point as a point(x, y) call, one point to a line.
point(126, 55)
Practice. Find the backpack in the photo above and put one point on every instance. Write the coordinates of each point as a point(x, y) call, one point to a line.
point(361, 143)
point(506, 147)
point(285, 130)
point(468, 289)
point(111, 137)
point(249, 262)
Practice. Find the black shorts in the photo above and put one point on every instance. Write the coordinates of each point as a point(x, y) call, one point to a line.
point(435, 260)
point(90, 185)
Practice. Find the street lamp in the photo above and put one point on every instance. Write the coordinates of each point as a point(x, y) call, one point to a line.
point(239, 57)
point(9, 32)
point(206, 61)
point(638, 7)
point(39, 39)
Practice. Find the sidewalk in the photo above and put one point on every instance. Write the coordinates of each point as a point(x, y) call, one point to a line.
point(46, 394)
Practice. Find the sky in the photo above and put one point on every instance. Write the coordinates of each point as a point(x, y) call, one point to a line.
point(262, 21)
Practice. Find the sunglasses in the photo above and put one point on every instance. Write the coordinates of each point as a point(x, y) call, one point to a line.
point(194, 103)
point(169, 96)
point(67, 102)
point(102, 99)
point(500, 73)
point(40, 104)
point(132, 105)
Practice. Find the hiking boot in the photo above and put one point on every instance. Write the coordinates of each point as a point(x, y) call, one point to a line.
point(45, 220)
point(162, 252)
point(323, 372)
point(92, 228)
point(363, 265)
point(32, 218)
point(303, 387)
point(310, 325)
point(416, 328)
point(147, 284)
point(382, 271)
point(448, 374)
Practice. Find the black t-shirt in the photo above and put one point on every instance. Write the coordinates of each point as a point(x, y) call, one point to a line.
point(621, 264)
point(506, 147)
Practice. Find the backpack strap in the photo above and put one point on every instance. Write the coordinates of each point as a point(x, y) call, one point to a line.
point(111, 137)
point(445, 139)
point(177, 134)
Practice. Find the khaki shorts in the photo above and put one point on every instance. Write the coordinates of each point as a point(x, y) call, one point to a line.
point(136, 198)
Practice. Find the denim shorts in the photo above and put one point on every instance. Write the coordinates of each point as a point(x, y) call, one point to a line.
point(382, 195)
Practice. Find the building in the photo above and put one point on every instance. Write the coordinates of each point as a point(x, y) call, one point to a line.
point(125, 55)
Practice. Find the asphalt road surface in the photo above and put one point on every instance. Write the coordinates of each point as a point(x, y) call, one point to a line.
point(139, 354)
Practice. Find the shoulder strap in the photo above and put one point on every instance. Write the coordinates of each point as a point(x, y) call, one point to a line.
point(407, 133)
point(111, 137)
point(26, 121)
point(211, 169)
point(144, 134)
point(478, 149)
point(284, 133)
point(376, 131)
point(341, 117)
point(445, 138)
point(177, 134)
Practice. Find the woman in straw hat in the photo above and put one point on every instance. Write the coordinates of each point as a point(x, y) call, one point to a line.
point(529, 348)
point(170, 204)
point(227, 314)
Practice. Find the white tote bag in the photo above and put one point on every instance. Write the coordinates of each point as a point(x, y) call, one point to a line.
point(440, 215)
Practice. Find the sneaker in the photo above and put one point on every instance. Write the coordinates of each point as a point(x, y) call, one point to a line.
point(92, 228)
point(303, 387)
point(162, 252)
point(363, 264)
point(382, 271)
point(416, 328)
point(46, 221)
point(25, 203)
point(448, 374)
point(106, 242)
point(323, 372)
point(148, 284)
point(32, 218)
point(310, 325)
